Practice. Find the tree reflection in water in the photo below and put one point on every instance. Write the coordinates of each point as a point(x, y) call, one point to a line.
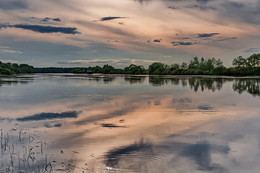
point(240, 85)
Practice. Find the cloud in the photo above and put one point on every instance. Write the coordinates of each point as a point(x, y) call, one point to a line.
point(182, 43)
point(6, 49)
point(10, 61)
point(157, 40)
point(48, 116)
point(96, 61)
point(56, 19)
point(205, 107)
point(106, 61)
point(207, 35)
point(172, 7)
point(43, 28)
point(224, 39)
point(254, 49)
point(111, 125)
point(13, 4)
point(52, 125)
point(110, 18)
point(46, 19)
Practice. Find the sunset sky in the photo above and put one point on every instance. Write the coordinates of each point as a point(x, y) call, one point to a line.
point(69, 33)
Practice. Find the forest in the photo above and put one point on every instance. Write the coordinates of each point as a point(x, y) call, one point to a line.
point(196, 66)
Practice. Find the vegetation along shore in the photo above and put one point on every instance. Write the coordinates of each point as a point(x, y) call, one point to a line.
point(197, 66)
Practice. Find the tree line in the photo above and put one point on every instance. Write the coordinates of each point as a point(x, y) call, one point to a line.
point(196, 66)
point(14, 68)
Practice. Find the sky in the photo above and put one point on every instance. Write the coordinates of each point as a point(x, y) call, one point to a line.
point(70, 33)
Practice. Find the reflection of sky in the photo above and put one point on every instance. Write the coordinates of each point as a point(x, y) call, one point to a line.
point(138, 126)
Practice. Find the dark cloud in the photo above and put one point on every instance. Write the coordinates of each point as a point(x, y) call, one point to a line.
point(205, 107)
point(43, 29)
point(207, 35)
point(56, 19)
point(110, 125)
point(182, 43)
point(157, 40)
point(110, 18)
point(13, 4)
point(49, 116)
point(47, 19)
point(52, 125)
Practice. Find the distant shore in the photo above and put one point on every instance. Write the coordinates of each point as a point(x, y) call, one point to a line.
point(211, 66)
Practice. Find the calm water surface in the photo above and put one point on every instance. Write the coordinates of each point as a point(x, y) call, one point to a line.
point(111, 123)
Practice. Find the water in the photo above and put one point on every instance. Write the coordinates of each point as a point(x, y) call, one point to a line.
point(113, 123)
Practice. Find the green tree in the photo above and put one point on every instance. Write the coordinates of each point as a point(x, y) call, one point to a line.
point(157, 68)
point(107, 69)
point(239, 62)
point(134, 69)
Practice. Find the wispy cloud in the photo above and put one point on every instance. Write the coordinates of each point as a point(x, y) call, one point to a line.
point(9, 61)
point(106, 61)
point(254, 49)
point(6, 49)
point(225, 39)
